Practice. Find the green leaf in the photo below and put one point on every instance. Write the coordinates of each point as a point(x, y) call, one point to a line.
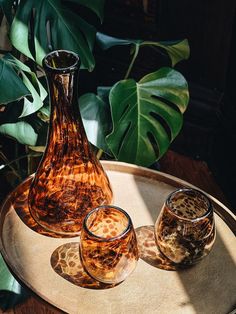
point(103, 92)
point(97, 6)
point(11, 85)
point(11, 291)
point(21, 131)
point(44, 113)
point(37, 99)
point(68, 30)
point(34, 87)
point(147, 115)
point(106, 41)
point(40, 127)
point(7, 282)
point(15, 63)
point(96, 117)
point(6, 6)
point(11, 112)
point(38, 149)
point(176, 50)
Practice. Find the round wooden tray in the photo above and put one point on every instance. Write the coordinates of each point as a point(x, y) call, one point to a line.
point(51, 266)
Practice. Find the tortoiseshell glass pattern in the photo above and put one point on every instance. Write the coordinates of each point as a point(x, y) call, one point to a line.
point(108, 245)
point(69, 181)
point(185, 228)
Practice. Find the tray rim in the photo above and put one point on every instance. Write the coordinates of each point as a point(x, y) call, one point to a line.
point(222, 211)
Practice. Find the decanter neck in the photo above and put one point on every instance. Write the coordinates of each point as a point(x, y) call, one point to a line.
point(61, 68)
point(66, 127)
point(63, 92)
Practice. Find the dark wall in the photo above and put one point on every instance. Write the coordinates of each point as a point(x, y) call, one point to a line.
point(208, 25)
point(210, 124)
point(209, 130)
point(222, 159)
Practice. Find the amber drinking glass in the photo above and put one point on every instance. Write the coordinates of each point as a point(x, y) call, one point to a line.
point(69, 181)
point(185, 228)
point(108, 244)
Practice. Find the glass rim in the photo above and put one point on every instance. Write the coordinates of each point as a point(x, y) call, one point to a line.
point(196, 191)
point(102, 239)
point(74, 66)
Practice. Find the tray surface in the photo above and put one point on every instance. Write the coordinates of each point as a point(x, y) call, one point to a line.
point(51, 266)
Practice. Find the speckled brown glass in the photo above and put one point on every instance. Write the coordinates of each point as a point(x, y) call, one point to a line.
point(69, 181)
point(108, 244)
point(185, 228)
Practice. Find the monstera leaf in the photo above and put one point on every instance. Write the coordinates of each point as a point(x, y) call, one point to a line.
point(22, 131)
point(6, 6)
point(11, 292)
point(23, 94)
point(29, 78)
point(96, 119)
point(11, 85)
point(7, 282)
point(147, 115)
point(177, 50)
point(54, 25)
point(28, 87)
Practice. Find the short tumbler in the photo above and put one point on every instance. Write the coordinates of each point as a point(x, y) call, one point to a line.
point(185, 228)
point(108, 244)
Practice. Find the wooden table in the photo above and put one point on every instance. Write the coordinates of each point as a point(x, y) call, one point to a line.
point(193, 171)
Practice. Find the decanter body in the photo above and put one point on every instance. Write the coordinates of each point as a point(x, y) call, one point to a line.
point(69, 181)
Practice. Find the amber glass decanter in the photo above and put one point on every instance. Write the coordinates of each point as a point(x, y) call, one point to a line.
point(69, 181)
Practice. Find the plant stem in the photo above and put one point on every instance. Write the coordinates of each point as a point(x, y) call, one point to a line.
point(99, 153)
point(132, 61)
point(8, 164)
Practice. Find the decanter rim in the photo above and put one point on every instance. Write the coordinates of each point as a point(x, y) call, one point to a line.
point(66, 69)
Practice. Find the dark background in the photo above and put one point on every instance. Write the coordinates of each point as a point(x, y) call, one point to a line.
point(209, 131)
